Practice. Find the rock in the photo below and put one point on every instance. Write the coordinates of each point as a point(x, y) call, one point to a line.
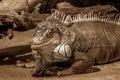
point(30, 64)
point(98, 8)
point(20, 64)
point(64, 5)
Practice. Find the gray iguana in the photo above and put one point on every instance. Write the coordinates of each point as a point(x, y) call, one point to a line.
point(76, 42)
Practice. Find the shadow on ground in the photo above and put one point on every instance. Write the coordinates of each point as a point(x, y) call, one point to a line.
point(8, 71)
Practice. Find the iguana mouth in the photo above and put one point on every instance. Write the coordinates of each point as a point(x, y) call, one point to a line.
point(36, 45)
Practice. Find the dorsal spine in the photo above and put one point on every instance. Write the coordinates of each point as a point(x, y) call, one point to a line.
point(91, 16)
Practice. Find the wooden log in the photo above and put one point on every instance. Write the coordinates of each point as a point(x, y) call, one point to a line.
point(27, 5)
point(11, 19)
point(20, 44)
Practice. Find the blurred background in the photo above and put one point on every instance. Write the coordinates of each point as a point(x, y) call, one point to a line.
point(44, 6)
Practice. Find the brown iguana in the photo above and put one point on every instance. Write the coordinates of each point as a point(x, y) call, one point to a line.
point(76, 42)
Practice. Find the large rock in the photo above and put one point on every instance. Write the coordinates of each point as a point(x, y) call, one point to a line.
point(64, 5)
point(76, 10)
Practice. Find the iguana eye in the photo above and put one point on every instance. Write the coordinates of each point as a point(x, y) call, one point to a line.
point(43, 27)
point(50, 33)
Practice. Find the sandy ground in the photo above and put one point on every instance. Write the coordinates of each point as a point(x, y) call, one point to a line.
point(107, 72)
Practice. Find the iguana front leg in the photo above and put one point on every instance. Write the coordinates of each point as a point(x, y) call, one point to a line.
point(82, 62)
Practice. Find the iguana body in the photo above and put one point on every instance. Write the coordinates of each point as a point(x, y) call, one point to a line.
point(99, 39)
point(82, 40)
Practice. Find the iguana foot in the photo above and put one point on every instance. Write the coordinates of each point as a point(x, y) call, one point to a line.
point(51, 71)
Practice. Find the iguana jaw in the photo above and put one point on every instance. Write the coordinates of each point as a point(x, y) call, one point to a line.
point(35, 45)
point(56, 40)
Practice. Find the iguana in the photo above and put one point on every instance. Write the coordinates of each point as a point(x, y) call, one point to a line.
point(76, 42)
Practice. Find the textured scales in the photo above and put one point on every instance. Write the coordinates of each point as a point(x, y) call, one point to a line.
point(103, 30)
point(92, 37)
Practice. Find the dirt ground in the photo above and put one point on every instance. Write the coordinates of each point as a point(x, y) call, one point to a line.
point(107, 72)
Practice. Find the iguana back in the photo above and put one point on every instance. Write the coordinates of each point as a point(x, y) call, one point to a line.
point(97, 34)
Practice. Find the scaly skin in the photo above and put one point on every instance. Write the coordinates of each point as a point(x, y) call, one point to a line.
point(79, 45)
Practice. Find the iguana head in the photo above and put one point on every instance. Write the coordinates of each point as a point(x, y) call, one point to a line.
point(47, 40)
point(47, 30)
point(56, 23)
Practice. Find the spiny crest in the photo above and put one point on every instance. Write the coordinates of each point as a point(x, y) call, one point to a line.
point(91, 16)
point(66, 19)
point(103, 17)
point(54, 22)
